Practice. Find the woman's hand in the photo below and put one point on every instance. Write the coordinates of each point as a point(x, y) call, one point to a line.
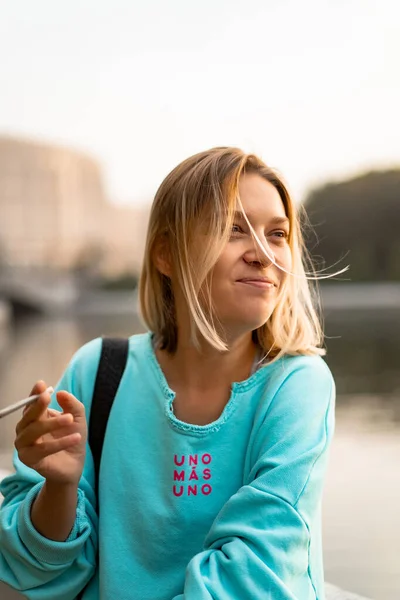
point(51, 442)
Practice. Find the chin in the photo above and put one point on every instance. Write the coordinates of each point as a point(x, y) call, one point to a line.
point(248, 316)
point(254, 323)
point(257, 314)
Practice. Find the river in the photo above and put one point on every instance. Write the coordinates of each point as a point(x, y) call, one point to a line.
point(361, 509)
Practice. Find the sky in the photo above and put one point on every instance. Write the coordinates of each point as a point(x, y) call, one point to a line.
point(313, 87)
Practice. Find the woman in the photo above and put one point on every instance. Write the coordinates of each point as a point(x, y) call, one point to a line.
point(216, 448)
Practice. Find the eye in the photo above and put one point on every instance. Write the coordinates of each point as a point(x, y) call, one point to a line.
point(236, 229)
point(281, 234)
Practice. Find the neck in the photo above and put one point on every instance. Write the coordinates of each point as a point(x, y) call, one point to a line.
point(206, 368)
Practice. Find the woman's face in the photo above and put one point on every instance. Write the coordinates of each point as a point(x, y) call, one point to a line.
point(245, 284)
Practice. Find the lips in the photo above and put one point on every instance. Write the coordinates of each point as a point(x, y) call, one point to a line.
point(260, 282)
point(255, 278)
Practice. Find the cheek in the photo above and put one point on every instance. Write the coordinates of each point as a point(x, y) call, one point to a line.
point(283, 256)
point(224, 265)
point(217, 280)
point(288, 259)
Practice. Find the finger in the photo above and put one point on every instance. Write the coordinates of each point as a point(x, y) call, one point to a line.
point(34, 454)
point(31, 416)
point(32, 432)
point(34, 412)
point(52, 412)
point(39, 387)
point(70, 404)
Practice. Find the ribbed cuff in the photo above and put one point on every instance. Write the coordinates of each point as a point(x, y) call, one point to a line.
point(50, 551)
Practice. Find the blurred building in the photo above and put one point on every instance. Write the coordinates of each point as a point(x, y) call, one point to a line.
point(125, 237)
point(54, 212)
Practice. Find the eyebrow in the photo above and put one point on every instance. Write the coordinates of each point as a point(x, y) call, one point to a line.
point(274, 221)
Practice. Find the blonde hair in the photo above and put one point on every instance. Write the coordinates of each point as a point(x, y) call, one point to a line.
point(199, 195)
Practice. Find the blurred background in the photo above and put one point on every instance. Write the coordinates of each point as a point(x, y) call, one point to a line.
point(100, 100)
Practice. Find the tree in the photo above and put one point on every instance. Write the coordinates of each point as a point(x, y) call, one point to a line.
point(357, 222)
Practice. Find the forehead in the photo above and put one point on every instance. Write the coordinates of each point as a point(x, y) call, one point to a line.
point(259, 197)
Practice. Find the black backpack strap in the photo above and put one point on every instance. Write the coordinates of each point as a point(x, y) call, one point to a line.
point(114, 354)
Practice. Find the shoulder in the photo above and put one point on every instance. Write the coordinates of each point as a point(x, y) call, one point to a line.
point(296, 410)
point(80, 374)
point(304, 369)
point(89, 354)
point(140, 342)
point(297, 387)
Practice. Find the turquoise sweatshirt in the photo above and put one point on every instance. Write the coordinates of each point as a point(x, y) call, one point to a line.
point(225, 511)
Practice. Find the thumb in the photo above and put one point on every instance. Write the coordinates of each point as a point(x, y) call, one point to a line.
point(70, 404)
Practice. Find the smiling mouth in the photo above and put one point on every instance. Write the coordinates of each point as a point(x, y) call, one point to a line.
point(263, 284)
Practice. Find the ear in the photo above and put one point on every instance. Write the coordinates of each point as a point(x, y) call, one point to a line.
point(162, 256)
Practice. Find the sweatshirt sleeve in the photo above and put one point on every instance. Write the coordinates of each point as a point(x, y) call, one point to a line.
point(42, 568)
point(258, 547)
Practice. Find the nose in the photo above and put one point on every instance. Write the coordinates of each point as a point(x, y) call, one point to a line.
point(255, 257)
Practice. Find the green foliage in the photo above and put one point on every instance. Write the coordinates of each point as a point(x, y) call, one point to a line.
point(357, 222)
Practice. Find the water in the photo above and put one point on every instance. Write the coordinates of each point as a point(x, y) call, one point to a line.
point(361, 511)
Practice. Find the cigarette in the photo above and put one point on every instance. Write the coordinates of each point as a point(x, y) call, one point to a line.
point(21, 403)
